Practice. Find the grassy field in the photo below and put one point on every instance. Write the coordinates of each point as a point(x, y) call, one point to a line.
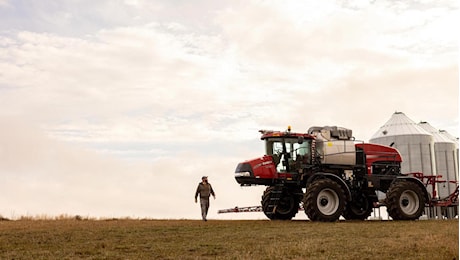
point(227, 239)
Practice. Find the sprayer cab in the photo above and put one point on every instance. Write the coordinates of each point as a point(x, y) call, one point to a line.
point(285, 153)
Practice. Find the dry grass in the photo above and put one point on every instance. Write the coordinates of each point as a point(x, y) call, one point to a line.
point(219, 239)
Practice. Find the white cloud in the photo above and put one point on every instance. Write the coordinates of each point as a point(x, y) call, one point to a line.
point(45, 177)
point(4, 3)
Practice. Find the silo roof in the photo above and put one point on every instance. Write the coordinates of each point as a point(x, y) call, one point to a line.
point(399, 124)
point(437, 136)
point(449, 136)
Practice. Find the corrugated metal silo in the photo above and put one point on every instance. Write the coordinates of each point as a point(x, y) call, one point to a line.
point(445, 152)
point(455, 139)
point(414, 143)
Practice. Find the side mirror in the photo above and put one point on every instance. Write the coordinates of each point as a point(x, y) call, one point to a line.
point(300, 140)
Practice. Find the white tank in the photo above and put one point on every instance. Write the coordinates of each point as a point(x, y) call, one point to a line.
point(334, 144)
point(415, 145)
point(445, 152)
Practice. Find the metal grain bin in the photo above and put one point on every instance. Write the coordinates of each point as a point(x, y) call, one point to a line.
point(445, 152)
point(414, 143)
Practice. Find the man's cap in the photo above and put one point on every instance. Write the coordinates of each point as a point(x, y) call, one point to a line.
point(204, 177)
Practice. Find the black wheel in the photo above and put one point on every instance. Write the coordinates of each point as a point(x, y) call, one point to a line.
point(284, 209)
point(324, 200)
point(405, 201)
point(360, 208)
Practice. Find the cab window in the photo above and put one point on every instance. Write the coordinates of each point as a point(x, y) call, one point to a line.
point(297, 153)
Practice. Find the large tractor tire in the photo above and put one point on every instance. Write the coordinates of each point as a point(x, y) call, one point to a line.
point(285, 209)
point(405, 201)
point(324, 201)
point(360, 208)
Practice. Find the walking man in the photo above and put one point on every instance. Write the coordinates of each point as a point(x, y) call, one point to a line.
point(205, 190)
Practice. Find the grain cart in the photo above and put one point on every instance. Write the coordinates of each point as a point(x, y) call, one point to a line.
point(332, 175)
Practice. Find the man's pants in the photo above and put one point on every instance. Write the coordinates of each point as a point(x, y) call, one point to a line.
point(204, 207)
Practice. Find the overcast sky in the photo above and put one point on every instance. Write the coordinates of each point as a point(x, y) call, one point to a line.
point(115, 108)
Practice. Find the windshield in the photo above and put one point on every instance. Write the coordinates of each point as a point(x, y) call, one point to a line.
point(297, 154)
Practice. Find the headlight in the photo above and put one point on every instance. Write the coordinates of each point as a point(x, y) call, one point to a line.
point(242, 174)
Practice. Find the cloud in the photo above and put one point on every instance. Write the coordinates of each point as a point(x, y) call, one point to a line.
point(130, 80)
point(365, 100)
point(4, 3)
point(47, 177)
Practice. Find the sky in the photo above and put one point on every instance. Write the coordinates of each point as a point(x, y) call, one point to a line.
point(116, 108)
